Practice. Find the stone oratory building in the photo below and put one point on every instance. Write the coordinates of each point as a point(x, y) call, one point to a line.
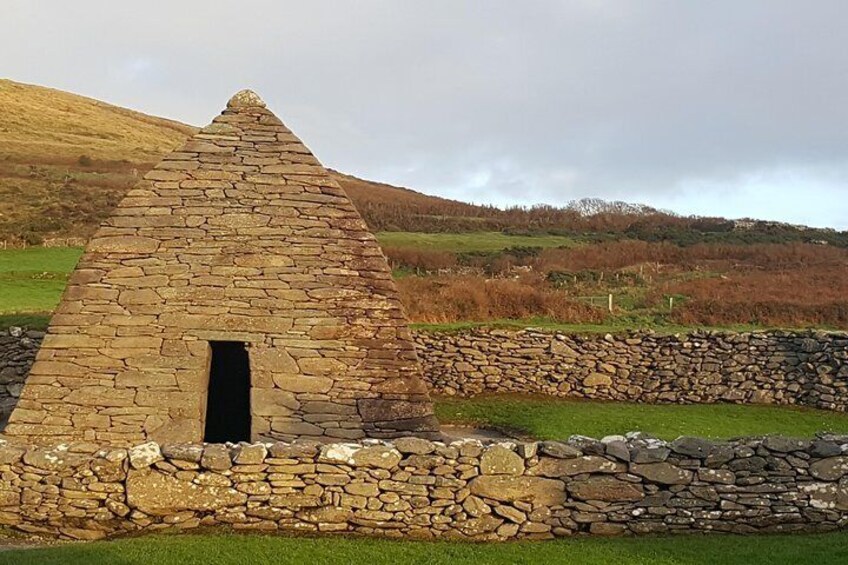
point(235, 295)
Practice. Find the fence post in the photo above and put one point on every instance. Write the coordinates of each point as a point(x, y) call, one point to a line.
point(609, 303)
point(670, 303)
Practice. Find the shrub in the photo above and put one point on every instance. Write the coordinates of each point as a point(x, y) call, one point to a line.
point(421, 260)
point(469, 298)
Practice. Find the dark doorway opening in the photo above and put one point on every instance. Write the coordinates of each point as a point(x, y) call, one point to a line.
point(228, 395)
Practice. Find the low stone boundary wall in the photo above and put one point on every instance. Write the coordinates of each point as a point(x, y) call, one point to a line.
point(773, 367)
point(17, 354)
point(422, 489)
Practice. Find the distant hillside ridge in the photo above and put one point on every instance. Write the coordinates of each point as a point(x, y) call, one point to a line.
point(66, 160)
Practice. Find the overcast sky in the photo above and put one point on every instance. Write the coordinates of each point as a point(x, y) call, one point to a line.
point(734, 108)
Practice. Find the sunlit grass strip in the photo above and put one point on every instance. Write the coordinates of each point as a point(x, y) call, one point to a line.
point(221, 549)
point(554, 418)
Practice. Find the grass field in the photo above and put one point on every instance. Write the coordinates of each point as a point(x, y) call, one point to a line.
point(475, 241)
point(220, 549)
point(553, 418)
point(32, 280)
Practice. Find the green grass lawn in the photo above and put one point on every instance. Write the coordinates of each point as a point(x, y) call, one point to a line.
point(554, 418)
point(35, 260)
point(475, 241)
point(32, 280)
point(215, 549)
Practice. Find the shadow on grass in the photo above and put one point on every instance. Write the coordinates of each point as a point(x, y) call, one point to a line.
point(226, 548)
point(32, 321)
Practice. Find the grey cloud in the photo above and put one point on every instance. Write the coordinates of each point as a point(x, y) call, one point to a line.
point(722, 107)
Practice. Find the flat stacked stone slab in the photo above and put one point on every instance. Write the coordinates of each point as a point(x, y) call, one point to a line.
point(240, 235)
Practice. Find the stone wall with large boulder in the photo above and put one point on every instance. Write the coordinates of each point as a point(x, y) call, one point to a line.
point(770, 367)
point(417, 488)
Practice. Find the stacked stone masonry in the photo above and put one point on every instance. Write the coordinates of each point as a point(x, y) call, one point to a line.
point(240, 235)
point(771, 367)
point(17, 353)
point(416, 488)
point(802, 368)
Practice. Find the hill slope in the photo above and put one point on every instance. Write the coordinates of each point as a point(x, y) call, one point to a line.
point(43, 125)
point(65, 161)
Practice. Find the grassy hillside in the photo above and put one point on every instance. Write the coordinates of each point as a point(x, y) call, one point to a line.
point(66, 160)
point(43, 125)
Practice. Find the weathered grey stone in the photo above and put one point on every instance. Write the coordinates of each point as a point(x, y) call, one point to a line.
point(550, 467)
point(479, 526)
point(245, 99)
point(782, 444)
point(501, 460)
point(618, 449)
point(528, 449)
point(511, 513)
point(216, 457)
point(10, 453)
point(439, 494)
point(253, 454)
point(144, 455)
point(606, 489)
point(526, 489)
point(692, 446)
point(298, 448)
point(326, 515)
point(597, 380)
point(649, 454)
point(158, 494)
point(559, 450)
point(825, 448)
point(53, 459)
point(749, 464)
point(414, 445)
point(475, 507)
point(662, 473)
point(183, 452)
point(706, 366)
point(721, 476)
point(830, 469)
point(827, 496)
point(378, 456)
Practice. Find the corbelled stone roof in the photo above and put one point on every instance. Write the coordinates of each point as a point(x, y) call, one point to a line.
point(239, 235)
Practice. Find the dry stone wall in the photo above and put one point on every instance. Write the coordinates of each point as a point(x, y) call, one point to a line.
point(17, 353)
point(774, 367)
point(803, 368)
point(423, 489)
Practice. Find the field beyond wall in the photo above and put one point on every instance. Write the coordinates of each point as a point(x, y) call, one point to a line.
point(489, 278)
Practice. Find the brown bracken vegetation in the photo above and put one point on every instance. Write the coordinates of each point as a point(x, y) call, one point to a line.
point(459, 298)
point(787, 285)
